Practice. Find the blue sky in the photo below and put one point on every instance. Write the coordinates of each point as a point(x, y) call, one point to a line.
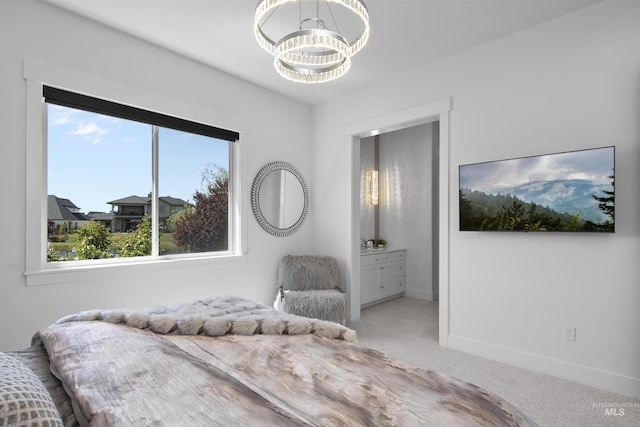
point(93, 159)
point(595, 165)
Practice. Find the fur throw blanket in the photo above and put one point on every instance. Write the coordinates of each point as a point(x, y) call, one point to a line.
point(217, 316)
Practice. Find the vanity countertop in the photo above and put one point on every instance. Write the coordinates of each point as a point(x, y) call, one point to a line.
point(372, 251)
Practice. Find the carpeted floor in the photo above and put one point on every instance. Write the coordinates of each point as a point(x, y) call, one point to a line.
point(408, 329)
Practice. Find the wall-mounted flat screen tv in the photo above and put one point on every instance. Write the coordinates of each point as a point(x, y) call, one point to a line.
point(567, 192)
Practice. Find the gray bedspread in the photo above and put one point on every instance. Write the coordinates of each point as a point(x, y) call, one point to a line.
point(120, 375)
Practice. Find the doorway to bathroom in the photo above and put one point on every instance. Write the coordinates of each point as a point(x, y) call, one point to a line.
point(413, 196)
point(399, 224)
point(403, 212)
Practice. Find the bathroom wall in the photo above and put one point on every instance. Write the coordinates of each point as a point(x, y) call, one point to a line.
point(406, 201)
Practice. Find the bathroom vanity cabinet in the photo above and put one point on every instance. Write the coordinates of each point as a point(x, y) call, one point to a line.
point(382, 275)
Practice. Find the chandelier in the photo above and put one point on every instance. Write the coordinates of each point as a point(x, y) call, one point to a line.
point(317, 51)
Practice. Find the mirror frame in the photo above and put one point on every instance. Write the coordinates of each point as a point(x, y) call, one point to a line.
point(255, 199)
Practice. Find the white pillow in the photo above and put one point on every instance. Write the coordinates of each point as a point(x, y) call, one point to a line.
point(24, 400)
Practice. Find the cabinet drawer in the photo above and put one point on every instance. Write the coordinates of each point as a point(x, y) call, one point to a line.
point(400, 269)
point(388, 257)
point(367, 259)
point(371, 259)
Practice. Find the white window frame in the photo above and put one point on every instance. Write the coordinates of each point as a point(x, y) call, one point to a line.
point(40, 272)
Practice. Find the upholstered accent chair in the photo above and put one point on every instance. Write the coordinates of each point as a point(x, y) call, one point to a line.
point(308, 286)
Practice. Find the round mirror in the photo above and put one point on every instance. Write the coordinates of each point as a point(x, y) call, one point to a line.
point(279, 198)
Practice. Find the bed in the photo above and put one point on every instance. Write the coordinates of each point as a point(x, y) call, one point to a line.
point(226, 361)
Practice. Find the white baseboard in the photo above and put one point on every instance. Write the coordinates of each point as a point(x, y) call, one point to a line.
point(605, 380)
point(419, 294)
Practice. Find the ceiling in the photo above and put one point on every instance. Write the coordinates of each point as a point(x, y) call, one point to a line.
point(404, 34)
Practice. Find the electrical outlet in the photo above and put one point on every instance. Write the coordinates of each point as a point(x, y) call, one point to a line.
point(569, 333)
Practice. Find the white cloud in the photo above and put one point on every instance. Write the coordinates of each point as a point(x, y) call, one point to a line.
point(583, 175)
point(89, 129)
point(61, 115)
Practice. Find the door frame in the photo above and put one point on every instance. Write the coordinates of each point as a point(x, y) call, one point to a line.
point(436, 111)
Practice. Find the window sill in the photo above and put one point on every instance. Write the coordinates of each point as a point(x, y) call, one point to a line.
point(84, 272)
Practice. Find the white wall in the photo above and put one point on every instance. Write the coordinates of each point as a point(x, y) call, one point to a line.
point(406, 213)
point(570, 83)
point(39, 32)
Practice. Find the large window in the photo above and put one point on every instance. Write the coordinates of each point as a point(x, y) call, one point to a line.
point(124, 182)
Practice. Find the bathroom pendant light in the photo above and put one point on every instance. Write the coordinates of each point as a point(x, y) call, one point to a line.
point(372, 188)
point(315, 52)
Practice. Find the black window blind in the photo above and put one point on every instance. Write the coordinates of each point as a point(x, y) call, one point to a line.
point(83, 102)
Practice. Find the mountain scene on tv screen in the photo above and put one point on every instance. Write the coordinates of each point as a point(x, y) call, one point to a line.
point(558, 192)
